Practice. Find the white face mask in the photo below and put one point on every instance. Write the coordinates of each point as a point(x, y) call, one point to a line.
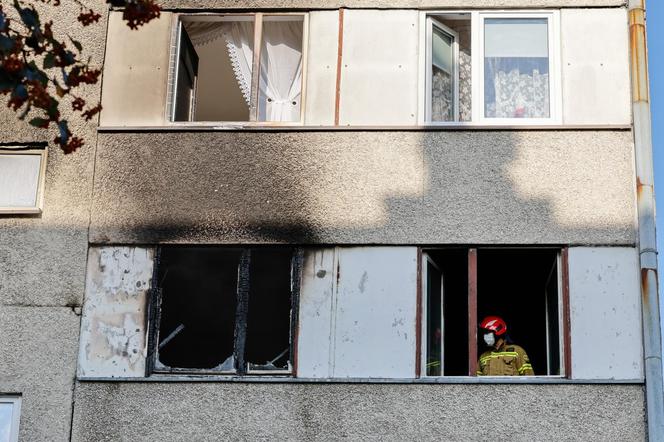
point(489, 339)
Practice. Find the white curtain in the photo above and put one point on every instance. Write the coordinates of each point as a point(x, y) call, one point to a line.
point(281, 71)
point(517, 94)
point(239, 38)
point(280, 85)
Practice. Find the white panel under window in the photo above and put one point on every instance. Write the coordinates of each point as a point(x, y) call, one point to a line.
point(113, 340)
point(379, 68)
point(10, 412)
point(596, 69)
point(605, 313)
point(21, 176)
point(516, 68)
point(358, 313)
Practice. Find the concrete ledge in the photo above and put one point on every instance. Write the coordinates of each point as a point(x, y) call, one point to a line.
point(386, 4)
point(165, 412)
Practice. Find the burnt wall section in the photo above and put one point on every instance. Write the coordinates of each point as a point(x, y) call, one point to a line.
point(113, 327)
point(396, 187)
point(38, 348)
point(205, 411)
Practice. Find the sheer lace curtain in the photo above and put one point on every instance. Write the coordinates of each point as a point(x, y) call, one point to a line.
point(281, 71)
point(280, 85)
point(516, 68)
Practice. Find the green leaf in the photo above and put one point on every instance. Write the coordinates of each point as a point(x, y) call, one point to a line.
point(77, 44)
point(39, 122)
point(49, 60)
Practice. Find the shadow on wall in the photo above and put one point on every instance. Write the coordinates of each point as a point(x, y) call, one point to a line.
point(387, 187)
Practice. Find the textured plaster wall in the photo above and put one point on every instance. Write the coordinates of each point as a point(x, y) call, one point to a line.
point(154, 411)
point(365, 187)
point(38, 348)
point(42, 258)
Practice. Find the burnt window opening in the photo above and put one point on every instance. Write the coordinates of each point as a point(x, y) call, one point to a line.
point(522, 286)
point(224, 310)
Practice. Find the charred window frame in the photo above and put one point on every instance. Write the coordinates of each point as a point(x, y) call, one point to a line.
point(527, 286)
point(224, 286)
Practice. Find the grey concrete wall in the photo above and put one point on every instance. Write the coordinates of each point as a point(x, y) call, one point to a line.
point(162, 411)
point(38, 348)
point(42, 257)
point(525, 187)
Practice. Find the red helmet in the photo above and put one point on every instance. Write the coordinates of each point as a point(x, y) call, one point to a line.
point(494, 324)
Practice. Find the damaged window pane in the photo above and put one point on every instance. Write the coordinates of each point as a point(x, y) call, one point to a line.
point(198, 306)
point(268, 325)
point(224, 309)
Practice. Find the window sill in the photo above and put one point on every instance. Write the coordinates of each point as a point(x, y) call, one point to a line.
point(290, 380)
point(414, 128)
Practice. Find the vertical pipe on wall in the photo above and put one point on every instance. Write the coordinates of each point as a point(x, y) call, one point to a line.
point(646, 214)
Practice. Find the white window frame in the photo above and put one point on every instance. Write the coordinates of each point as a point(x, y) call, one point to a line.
point(477, 75)
point(39, 199)
point(258, 24)
point(555, 92)
point(16, 415)
point(431, 22)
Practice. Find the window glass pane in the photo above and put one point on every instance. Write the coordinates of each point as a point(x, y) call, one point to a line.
point(19, 179)
point(199, 297)
point(268, 323)
point(434, 320)
point(516, 68)
point(442, 76)
point(186, 79)
point(225, 47)
point(280, 91)
point(6, 410)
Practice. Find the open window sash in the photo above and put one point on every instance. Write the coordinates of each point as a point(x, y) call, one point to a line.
point(186, 74)
point(433, 314)
point(442, 73)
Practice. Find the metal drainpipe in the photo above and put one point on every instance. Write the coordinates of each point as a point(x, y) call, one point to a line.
point(652, 345)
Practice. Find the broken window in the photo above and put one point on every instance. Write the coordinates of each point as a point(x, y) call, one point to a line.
point(223, 75)
point(224, 310)
point(10, 412)
point(22, 174)
point(462, 286)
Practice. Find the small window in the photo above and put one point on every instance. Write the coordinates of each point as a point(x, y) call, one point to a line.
point(21, 180)
point(224, 310)
point(491, 68)
point(220, 76)
point(462, 286)
point(10, 414)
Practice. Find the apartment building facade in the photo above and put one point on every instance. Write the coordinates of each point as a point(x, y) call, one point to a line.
point(291, 217)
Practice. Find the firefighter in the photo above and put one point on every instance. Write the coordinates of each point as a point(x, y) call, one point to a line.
point(503, 358)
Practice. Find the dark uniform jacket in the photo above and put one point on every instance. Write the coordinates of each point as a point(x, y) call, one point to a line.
point(508, 360)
